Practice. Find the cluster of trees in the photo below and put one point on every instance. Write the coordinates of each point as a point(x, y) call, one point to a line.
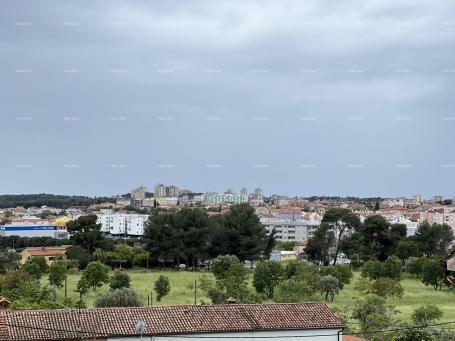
point(15, 242)
point(291, 282)
point(190, 235)
point(51, 200)
point(378, 283)
point(23, 286)
point(375, 238)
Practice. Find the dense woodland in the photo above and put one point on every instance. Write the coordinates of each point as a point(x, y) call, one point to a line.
point(51, 200)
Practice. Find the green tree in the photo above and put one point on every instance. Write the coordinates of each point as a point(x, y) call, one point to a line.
point(392, 268)
point(294, 290)
point(406, 249)
point(413, 334)
point(57, 273)
point(383, 287)
point(162, 241)
point(162, 287)
point(373, 313)
point(355, 261)
point(122, 297)
point(85, 232)
point(35, 266)
point(320, 243)
point(433, 239)
point(231, 279)
point(192, 226)
point(376, 239)
point(341, 272)
point(267, 275)
point(341, 219)
point(82, 288)
point(329, 285)
point(433, 274)
point(426, 315)
point(9, 260)
point(246, 236)
point(122, 255)
point(119, 280)
point(373, 269)
point(286, 245)
point(78, 255)
point(96, 274)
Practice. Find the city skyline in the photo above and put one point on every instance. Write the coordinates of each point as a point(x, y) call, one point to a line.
point(314, 98)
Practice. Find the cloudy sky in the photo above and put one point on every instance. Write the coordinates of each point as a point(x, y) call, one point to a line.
point(297, 97)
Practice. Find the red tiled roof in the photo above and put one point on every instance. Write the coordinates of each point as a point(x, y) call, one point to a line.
point(72, 324)
point(47, 250)
point(352, 338)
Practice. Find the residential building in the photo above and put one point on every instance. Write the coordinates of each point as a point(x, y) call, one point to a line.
point(284, 256)
point(226, 198)
point(172, 191)
point(438, 198)
point(244, 191)
point(138, 193)
point(159, 191)
point(123, 224)
point(50, 253)
point(288, 229)
point(167, 201)
point(242, 322)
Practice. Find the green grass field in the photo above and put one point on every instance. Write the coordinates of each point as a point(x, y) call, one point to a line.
point(182, 292)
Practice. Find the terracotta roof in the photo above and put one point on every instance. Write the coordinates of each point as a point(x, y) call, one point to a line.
point(46, 250)
point(165, 320)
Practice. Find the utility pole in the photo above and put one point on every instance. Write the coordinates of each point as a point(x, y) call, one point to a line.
point(66, 287)
point(195, 291)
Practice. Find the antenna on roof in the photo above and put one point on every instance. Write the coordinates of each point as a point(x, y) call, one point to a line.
point(140, 327)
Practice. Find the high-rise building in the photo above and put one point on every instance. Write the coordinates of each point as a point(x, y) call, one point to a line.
point(138, 193)
point(438, 198)
point(159, 190)
point(172, 191)
point(244, 191)
point(258, 195)
point(418, 198)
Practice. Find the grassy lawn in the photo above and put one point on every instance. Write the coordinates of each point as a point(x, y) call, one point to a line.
point(182, 292)
point(415, 295)
point(182, 287)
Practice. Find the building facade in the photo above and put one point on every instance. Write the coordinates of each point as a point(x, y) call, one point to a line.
point(123, 224)
point(290, 230)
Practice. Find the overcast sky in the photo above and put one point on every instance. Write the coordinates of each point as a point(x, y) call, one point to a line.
point(296, 97)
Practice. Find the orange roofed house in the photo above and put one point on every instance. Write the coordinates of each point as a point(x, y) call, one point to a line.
point(50, 253)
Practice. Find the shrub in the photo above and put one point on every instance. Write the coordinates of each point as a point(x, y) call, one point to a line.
point(119, 280)
point(426, 314)
point(267, 275)
point(124, 297)
point(293, 290)
point(96, 274)
point(162, 287)
point(329, 285)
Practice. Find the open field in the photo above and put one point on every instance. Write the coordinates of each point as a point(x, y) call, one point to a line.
point(182, 292)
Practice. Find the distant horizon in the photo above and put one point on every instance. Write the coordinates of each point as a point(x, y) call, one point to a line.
point(265, 195)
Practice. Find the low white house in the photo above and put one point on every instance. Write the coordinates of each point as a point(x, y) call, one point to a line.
point(280, 322)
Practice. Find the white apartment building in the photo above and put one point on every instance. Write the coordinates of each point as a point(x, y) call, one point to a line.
point(123, 224)
point(290, 230)
point(399, 218)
